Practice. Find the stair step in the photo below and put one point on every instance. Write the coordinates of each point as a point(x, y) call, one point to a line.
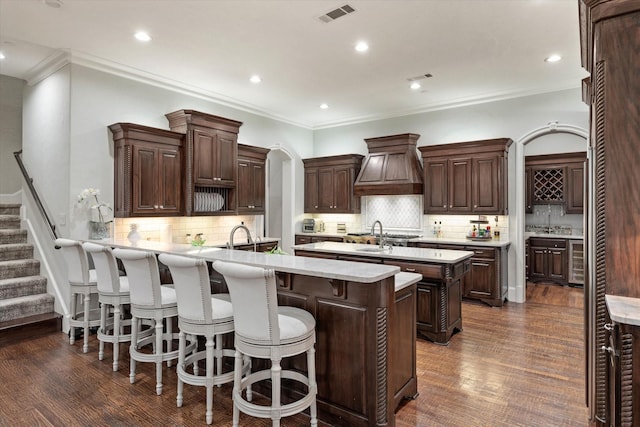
point(22, 286)
point(9, 221)
point(13, 236)
point(9, 209)
point(30, 305)
point(13, 331)
point(14, 251)
point(19, 268)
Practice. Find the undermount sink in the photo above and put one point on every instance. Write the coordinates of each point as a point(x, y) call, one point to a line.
point(377, 250)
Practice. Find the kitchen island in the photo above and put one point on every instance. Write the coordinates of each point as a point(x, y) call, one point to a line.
point(439, 298)
point(365, 327)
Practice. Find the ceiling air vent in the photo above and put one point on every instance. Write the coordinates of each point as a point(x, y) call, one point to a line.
point(336, 13)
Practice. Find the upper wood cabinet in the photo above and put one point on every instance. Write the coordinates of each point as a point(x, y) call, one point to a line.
point(148, 171)
point(328, 184)
point(466, 177)
point(251, 179)
point(211, 153)
point(556, 179)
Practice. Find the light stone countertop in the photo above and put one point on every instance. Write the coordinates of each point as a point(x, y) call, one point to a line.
point(240, 241)
point(404, 279)
point(442, 256)
point(327, 268)
point(528, 234)
point(623, 309)
point(496, 243)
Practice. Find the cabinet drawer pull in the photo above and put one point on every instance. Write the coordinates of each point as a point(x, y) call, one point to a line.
point(608, 326)
point(410, 270)
point(609, 350)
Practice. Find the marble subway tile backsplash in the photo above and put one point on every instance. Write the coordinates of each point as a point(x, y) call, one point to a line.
point(215, 229)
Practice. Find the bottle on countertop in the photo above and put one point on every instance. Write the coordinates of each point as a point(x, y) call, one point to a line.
point(440, 229)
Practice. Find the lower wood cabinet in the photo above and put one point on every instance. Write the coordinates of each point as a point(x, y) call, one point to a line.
point(302, 239)
point(487, 277)
point(623, 383)
point(548, 260)
point(439, 293)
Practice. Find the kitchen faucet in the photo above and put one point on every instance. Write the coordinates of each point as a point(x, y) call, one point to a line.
point(233, 231)
point(373, 228)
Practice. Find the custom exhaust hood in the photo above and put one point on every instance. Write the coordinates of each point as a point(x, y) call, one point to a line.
point(392, 167)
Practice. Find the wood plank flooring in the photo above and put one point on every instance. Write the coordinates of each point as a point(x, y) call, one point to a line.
point(519, 365)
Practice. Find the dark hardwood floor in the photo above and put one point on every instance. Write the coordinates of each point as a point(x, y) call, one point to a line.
point(519, 365)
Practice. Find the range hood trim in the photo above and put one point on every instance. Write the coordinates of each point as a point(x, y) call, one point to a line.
point(374, 177)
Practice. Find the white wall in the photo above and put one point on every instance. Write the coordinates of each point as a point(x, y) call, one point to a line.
point(510, 118)
point(10, 133)
point(99, 99)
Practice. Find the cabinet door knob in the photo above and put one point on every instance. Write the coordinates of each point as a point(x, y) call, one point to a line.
point(608, 326)
point(475, 206)
point(444, 206)
point(155, 206)
point(316, 206)
point(609, 350)
point(450, 206)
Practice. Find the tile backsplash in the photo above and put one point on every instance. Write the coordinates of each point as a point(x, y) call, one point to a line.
point(215, 229)
point(457, 226)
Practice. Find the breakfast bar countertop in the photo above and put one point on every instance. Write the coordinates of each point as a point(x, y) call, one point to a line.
point(330, 269)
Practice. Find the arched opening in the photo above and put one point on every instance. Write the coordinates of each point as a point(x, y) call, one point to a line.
point(280, 191)
point(544, 135)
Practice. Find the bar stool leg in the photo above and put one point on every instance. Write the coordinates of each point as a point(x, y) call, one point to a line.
point(209, 363)
point(276, 371)
point(181, 365)
point(313, 386)
point(132, 348)
point(74, 315)
point(116, 336)
point(103, 329)
point(237, 376)
point(87, 301)
point(158, 353)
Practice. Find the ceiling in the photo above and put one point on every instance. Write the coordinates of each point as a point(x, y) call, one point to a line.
point(476, 50)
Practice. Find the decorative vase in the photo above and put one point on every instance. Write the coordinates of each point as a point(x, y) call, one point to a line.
point(133, 235)
point(98, 230)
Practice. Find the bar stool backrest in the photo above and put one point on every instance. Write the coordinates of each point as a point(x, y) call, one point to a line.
point(76, 260)
point(193, 291)
point(255, 301)
point(106, 267)
point(144, 277)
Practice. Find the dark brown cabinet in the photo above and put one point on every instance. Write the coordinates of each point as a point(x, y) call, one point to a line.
point(148, 171)
point(466, 177)
point(302, 239)
point(211, 153)
point(548, 260)
point(328, 185)
point(486, 280)
point(611, 54)
point(556, 179)
point(251, 179)
point(439, 293)
point(622, 350)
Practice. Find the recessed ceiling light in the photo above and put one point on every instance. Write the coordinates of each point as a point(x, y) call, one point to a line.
point(255, 79)
point(142, 36)
point(553, 58)
point(324, 106)
point(2, 55)
point(53, 3)
point(415, 86)
point(362, 47)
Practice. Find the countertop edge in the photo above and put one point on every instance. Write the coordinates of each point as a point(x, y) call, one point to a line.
point(623, 309)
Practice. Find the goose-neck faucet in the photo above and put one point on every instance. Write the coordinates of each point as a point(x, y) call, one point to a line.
point(249, 239)
point(373, 229)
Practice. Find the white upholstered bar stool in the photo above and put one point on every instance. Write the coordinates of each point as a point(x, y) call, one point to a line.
point(82, 284)
point(113, 294)
point(264, 330)
point(150, 300)
point(203, 314)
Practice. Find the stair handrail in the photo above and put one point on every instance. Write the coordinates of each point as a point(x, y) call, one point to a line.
point(34, 193)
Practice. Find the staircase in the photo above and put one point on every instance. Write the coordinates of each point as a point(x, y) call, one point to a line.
point(26, 309)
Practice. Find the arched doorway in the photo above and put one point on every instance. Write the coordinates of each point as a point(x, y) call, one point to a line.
point(280, 191)
point(517, 288)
